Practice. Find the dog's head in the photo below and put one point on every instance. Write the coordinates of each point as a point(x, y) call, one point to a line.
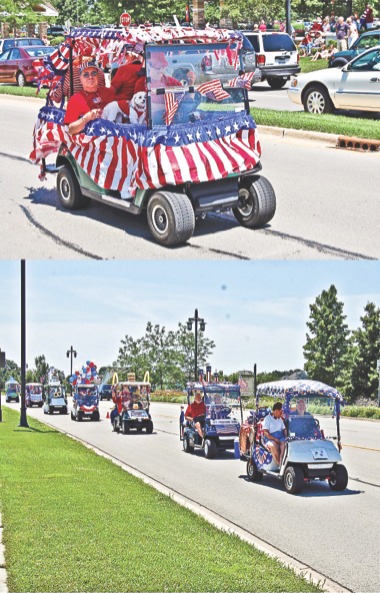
point(138, 101)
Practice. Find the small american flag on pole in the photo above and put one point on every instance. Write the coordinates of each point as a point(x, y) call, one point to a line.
point(213, 90)
point(172, 101)
point(242, 81)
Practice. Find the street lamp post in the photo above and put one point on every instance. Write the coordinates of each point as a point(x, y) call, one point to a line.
point(71, 353)
point(202, 325)
point(2, 366)
point(23, 419)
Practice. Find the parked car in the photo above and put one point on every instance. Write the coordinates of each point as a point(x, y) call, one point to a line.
point(10, 42)
point(308, 454)
point(249, 59)
point(56, 31)
point(85, 403)
point(55, 399)
point(17, 65)
point(367, 40)
point(12, 391)
point(356, 86)
point(276, 56)
point(33, 395)
point(221, 424)
point(105, 391)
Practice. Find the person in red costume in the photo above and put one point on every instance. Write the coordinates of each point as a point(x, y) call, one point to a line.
point(196, 413)
point(88, 104)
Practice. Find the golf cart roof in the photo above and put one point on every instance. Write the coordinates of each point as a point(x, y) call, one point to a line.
point(288, 388)
point(214, 386)
point(33, 384)
point(134, 383)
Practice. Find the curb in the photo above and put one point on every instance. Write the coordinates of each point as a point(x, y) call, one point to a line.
point(222, 524)
point(299, 134)
point(3, 571)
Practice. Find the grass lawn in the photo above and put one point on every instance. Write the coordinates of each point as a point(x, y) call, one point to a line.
point(74, 521)
point(26, 91)
point(307, 65)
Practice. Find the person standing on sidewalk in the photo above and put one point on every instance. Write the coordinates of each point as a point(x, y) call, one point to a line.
point(342, 31)
point(368, 17)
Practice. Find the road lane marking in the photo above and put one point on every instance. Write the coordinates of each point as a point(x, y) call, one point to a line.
point(364, 448)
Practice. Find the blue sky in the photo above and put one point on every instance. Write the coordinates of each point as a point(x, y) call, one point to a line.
point(256, 312)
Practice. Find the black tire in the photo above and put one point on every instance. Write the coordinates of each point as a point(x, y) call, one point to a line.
point(79, 416)
point(171, 218)
point(115, 425)
point(293, 479)
point(276, 83)
point(186, 445)
point(316, 100)
point(72, 415)
point(253, 473)
point(257, 202)
point(69, 192)
point(20, 79)
point(17, 400)
point(125, 427)
point(96, 416)
point(51, 410)
point(338, 478)
point(210, 449)
point(149, 427)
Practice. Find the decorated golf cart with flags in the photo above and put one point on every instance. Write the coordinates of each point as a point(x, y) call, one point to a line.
point(221, 418)
point(308, 453)
point(191, 148)
point(12, 391)
point(132, 403)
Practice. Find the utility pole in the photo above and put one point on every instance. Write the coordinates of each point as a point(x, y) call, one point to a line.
point(202, 326)
point(23, 419)
point(71, 353)
point(2, 366)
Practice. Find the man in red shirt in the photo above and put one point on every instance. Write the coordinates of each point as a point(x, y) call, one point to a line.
point(88, 104)
point(196, 413)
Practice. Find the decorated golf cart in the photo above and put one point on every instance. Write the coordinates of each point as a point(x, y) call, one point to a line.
point(309, 454)
point(193, 148)
point(33, 395)
point(12, 390)
point(55, 398)
point(221, 424)
point(85, 402)
point(132, 403)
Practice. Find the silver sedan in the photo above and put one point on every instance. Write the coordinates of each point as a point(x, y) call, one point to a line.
point(356, 86)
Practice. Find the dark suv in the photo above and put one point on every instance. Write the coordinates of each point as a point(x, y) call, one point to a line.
point(366, 41)
point(105, 391)
point(18, 42)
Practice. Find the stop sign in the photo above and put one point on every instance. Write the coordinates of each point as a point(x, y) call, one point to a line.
point(125, 19)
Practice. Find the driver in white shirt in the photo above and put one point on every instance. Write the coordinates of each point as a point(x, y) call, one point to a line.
point(275, 433)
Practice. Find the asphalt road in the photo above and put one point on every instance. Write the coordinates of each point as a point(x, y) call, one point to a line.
point(336, 534)
point(327, 207)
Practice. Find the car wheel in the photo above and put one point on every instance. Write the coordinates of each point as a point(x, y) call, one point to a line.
point(338, 478)
point(210, 449)
point(125, 427)
point(69, 192)
point(293, 479)
point(171, 218)
point(149, 427)
point(257, 202)
point(20, 79)
point(276, 83)
point(317, 101)
point(253, 473)
point(186, 445)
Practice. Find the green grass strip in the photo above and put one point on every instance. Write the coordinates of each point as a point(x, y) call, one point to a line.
point(331, 124)
point(26, 91)
point(74, 521)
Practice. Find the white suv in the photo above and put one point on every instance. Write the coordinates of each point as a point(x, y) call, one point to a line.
point(276, 56)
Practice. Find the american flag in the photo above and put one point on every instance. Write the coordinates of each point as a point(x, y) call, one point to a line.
point(226, 430)
point(213, 90)
point(172, 101)
point(127, 158)
point(242, 383)
point(242, 81)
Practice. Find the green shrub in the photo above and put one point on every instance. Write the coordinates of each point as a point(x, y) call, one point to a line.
point(168, 395)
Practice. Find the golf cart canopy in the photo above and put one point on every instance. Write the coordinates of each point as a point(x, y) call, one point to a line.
point(298, 388)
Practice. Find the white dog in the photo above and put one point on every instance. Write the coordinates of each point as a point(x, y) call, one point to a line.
point(122, 111)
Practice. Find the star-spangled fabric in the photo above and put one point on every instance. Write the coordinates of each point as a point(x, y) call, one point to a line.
point(242, 81)
point(297, 388)
point(126, 158)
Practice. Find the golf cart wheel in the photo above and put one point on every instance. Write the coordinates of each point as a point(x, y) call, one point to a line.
point(257, 203)
point(210, 449)
point(186, 445)
point(115, 426)
point(96, 416)
point(317, 101)
point(20, 79)
point(17, 400)
point(51, 410)
point(149, 427)
point(338, 478)
point(125, 428)
point(276, 83)
point(69, 192)
point(293, 479)
point(80, 417)
point(171, 218)
point(72, 415)
point(253, 473)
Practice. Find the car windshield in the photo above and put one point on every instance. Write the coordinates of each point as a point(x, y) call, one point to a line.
point(13, 387)
point(278, 42)
point(35, 390)
point(303, 427)
point(35, 52)
point(191, 84)
point(88, 399)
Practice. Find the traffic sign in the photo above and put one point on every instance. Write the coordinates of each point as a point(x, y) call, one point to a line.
point(125, 19)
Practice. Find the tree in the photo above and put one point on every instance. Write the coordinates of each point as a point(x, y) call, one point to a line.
point(361, 378)
point(132, 357)
point(327, 340)
point(11, 370)
point(185, 344)
point(42, 368)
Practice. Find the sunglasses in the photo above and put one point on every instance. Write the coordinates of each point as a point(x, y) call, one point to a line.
point(88, 74)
